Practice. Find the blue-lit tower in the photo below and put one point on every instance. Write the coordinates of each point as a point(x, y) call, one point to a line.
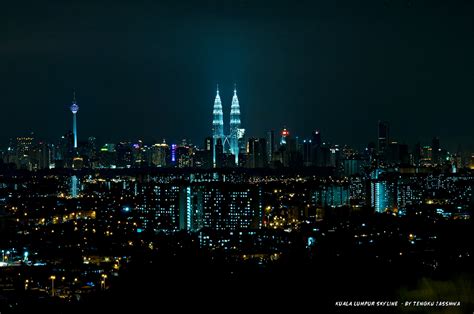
point(74, 109)
point(217, 124)
point(74, 186)
point(235, 126)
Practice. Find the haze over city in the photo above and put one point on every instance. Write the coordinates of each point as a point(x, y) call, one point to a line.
point(149, 70)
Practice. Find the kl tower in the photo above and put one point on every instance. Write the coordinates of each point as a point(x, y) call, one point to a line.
point(74, 109)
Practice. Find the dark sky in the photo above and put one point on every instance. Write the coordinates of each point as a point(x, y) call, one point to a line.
point(148, 69)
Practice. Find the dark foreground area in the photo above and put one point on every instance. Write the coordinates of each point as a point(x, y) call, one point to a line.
point(181, 281)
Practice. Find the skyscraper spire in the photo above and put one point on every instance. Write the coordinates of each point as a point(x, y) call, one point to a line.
point(217, 124)
point(235, 126)
point(74, 109)
point(226, 142)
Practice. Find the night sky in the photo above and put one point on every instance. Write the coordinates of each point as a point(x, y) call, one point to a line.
point(149, 69)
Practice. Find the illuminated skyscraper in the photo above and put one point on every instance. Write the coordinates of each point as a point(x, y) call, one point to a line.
point(159, 153)
point(74, 187)
point(217, 124)
point(74, 109)
point(284, 136)
point(234, 127)
point(383, 195)
point(233, 142)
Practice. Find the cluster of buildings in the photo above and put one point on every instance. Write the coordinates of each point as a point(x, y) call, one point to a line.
point(222, 201)
point(249, 198)
point(216, 191)
point(283, 151)
point(277, 149)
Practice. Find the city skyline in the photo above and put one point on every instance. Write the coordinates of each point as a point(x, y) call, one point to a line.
point(229, 110)
point(267, 155)
point(334, 67)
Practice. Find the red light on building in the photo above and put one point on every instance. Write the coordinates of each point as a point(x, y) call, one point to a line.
point(285, 132)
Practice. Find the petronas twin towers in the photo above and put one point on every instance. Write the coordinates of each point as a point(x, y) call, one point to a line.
point(228, 143)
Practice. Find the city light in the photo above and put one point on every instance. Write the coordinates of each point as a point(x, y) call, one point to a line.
point(167, 193)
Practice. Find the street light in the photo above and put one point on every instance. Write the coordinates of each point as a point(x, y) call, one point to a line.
point(102, 282)
point(52, 284)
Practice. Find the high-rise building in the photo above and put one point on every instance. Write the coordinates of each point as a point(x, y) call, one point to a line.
point(257, 156)
point(202, 158)
point(416, 154)
point(235, 126)
point(74, 109)
point(324, 156)
point(124, 154)
point(222, 206)
point(436, 151)
point(219, 154)
point(208, 144)
point(187, 217)
point(271, 147)
point(108, 156)
point(159, 153)
point(333, 195)
point(383, 135)
point(217, 126)
point(64, 152)
point(284, 135)
point(138, 154)
point(184, 156)
point(316, 138)
point(24, 144)
point(307, 153)
point(383, 195)
point(41, 156)
point(316, 151)
point(74, 186)
point(353, 166)
point(174, 149)
point(90, 151)
point(396, 153)
point(157, 206)
point(426, 155)
point(21, 150)
point(233, 143)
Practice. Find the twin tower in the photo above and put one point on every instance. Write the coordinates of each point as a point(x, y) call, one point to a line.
point(228, 143)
